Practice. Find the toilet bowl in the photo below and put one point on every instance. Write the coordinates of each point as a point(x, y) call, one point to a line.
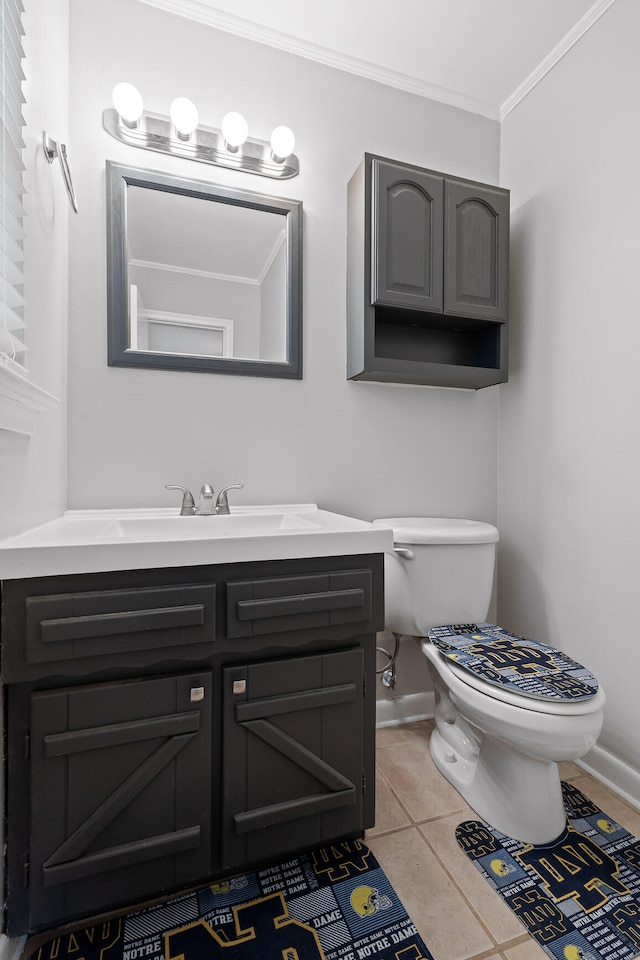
point(499, 747)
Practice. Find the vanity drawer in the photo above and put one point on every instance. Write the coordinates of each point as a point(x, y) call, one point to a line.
point(281, 604)
point(73, 626)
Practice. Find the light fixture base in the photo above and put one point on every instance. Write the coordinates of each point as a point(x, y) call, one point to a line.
point(206, 145)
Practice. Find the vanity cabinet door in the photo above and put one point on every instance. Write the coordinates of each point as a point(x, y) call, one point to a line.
point(476, 251)
point(120, 793)
point(292, 755)
point(406, 237)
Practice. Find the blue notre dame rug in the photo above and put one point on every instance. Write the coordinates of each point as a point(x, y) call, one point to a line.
point(334, 903)
point(579, 896)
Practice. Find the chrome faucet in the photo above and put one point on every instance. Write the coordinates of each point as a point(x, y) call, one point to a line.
point(222, 504)
point(206, 506)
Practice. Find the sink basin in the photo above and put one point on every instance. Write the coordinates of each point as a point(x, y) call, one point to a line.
point(205, 528)
point(88, 541)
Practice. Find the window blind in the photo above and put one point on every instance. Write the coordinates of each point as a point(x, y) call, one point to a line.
point(12, 326)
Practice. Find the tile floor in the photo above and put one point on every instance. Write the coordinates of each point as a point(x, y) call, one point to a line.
point(457, 913)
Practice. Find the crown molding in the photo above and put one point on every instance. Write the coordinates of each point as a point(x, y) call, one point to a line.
point(202, 13)
point(190, 271)
point(582, 26)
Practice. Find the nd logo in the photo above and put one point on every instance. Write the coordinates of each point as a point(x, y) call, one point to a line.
point(107, 937)
point(263, 929)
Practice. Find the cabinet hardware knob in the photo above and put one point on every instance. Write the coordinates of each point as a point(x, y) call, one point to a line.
point(239, 686)
point(197, 694)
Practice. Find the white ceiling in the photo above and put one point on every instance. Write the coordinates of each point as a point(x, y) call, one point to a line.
point(482, 55)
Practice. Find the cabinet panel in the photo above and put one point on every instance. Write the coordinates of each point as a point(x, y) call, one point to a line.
point(476, 245)
point(78, 625)
point(292, 754)
point(120, 793)
point(407, 237)
point(283, 604)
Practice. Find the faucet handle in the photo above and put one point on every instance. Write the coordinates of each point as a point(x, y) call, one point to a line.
point(188, 507)
point(222, 503)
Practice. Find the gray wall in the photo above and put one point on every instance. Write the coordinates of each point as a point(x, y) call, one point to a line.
point(362, 449)
point(569, 452)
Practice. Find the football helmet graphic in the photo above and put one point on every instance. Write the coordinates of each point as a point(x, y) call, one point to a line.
point(501, 868)
point(366, 901)
point(224, 886)
point(571, 952)
point(606, 826)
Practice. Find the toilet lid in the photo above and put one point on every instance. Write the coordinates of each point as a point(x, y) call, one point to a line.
point(524, 666)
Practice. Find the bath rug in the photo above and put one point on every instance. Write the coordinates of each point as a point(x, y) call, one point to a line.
point(525, 666)
point(334, 903)
point(579, 896)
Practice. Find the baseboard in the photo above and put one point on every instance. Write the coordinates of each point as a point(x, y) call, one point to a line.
point(407, 709)
point(614, 773)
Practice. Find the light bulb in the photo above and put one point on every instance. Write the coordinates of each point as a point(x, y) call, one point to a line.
point(234, 130)
point(184, 116)
point(282, 143)
point(128, 102)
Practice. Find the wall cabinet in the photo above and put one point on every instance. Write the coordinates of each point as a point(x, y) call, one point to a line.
point(167, 726)
point(427, 277)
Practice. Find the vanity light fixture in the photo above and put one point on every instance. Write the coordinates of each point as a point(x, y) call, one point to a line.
point(235, 131)
point(181, 136)
point(128, 102)
point(184, 116)
point(282, 144)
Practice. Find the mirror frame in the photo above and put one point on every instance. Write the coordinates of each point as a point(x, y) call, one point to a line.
point(118, 320)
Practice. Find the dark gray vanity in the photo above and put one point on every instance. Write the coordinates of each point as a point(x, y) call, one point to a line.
point(427, 278)
point(171, 724)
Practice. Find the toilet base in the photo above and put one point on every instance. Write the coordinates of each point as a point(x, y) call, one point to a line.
point(518, 796)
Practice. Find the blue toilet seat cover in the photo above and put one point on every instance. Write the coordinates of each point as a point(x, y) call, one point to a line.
point(527, 667)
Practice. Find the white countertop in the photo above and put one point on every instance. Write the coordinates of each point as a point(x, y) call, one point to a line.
point(92, 541)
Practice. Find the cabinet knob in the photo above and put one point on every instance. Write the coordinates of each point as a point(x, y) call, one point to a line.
point(197, 694)
point(239, 686)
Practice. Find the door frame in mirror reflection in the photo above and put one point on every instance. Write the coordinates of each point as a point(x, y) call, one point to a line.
point(119, 314)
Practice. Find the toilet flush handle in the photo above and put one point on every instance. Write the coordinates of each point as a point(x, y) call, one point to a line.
point(404, 552)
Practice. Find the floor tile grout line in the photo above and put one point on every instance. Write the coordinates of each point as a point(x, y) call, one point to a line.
point(441, 816)
point(499, 952)
point(499, 946)
point(413, 823)
point(465, 899)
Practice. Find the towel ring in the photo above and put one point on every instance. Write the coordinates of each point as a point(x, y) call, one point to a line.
point(53, 150)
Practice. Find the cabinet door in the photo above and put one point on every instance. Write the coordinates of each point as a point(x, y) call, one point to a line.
point(476, 250)
point(292, 755)
point(407, 232)
point(120, 793)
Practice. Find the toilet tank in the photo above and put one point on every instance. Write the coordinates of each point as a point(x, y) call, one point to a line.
point(440, 572)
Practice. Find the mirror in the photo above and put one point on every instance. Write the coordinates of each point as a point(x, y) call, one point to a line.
point(202, 277)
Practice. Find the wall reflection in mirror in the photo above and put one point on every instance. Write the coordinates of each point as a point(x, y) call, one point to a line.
point(202, 277)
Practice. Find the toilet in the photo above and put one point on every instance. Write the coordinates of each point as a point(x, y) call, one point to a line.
point(497, 743)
